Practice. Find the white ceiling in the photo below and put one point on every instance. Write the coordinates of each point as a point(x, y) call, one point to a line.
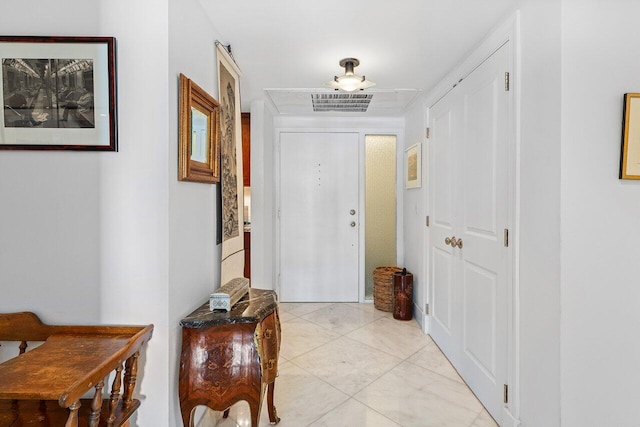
point(401, 44)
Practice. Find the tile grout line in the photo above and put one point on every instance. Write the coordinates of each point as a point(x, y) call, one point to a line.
point(350, 395)
point(330, 385)
point(401, 360)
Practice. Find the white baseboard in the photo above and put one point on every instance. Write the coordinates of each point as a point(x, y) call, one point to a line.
point(418, 315)
point(508, 420)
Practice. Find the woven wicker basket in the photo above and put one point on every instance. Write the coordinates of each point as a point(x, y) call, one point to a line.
point(383, 287)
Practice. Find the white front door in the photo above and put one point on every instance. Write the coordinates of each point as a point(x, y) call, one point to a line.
point(319, 218)
point(469, 202)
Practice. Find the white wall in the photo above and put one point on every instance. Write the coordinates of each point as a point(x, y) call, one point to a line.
point(134, 232)
point(49, 207)
point(262, 197)
point(114, 237)
point(415, 210)
point(84, 235)
point(194, 257)
point(600, 233)
point(538, 239)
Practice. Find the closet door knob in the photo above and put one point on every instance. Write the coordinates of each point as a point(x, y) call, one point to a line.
point(456, 242)
point(447, 241)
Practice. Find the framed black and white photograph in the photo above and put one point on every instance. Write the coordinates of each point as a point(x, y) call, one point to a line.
point(58, 93)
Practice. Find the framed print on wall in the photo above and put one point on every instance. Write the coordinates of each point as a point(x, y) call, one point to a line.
point(630, 151)
point(58, 93)
point(413, 166)
point(199, 156)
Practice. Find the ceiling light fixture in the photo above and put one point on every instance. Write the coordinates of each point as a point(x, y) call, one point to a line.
point(350, 81)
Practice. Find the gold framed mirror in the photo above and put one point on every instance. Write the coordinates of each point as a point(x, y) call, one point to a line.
point(199, 154)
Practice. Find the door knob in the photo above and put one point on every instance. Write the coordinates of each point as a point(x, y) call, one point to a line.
point(447, 241)
point(353, 223)
point(352, 212)
point(456, 242)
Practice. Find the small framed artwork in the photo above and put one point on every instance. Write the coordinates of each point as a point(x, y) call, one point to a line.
point(199, 156)
point(413, 166)
point(630, 152)
point(58, 93)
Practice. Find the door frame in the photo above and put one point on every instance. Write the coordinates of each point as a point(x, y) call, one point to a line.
point(362, 127)
point(507, 32)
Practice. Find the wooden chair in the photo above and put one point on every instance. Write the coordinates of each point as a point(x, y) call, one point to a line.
point(44, 386)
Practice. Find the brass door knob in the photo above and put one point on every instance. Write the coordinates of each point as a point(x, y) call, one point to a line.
point(352, 212)
point(447, 241)
point(353, 223)
point(456, 242)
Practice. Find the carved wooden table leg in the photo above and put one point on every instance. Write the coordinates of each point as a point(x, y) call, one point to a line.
point(273, 413)
point(72, 421)
point(255, 406)
point(187, 410)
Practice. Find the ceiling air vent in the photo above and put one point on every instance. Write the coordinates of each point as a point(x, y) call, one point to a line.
point(343, 102)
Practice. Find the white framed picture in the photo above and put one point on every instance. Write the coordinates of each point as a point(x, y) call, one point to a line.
point(413, 166)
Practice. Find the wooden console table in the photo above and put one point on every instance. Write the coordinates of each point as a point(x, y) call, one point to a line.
point(43, 387)
point(228, 357)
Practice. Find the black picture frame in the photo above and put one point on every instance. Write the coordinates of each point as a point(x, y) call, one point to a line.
point(58, 93)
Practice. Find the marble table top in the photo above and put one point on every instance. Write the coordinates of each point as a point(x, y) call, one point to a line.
point(252, 308)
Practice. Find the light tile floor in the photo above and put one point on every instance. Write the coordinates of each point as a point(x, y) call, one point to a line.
point(350, 365)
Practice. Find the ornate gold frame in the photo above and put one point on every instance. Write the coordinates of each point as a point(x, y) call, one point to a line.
point(194, 98)
point(630, 152)
point(413, 166)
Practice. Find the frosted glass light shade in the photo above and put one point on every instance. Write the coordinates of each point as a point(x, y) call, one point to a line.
point(350, 83)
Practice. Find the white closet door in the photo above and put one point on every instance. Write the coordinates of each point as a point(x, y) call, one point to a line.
point(470, 280)
point(445, 118)
point(319, 218)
